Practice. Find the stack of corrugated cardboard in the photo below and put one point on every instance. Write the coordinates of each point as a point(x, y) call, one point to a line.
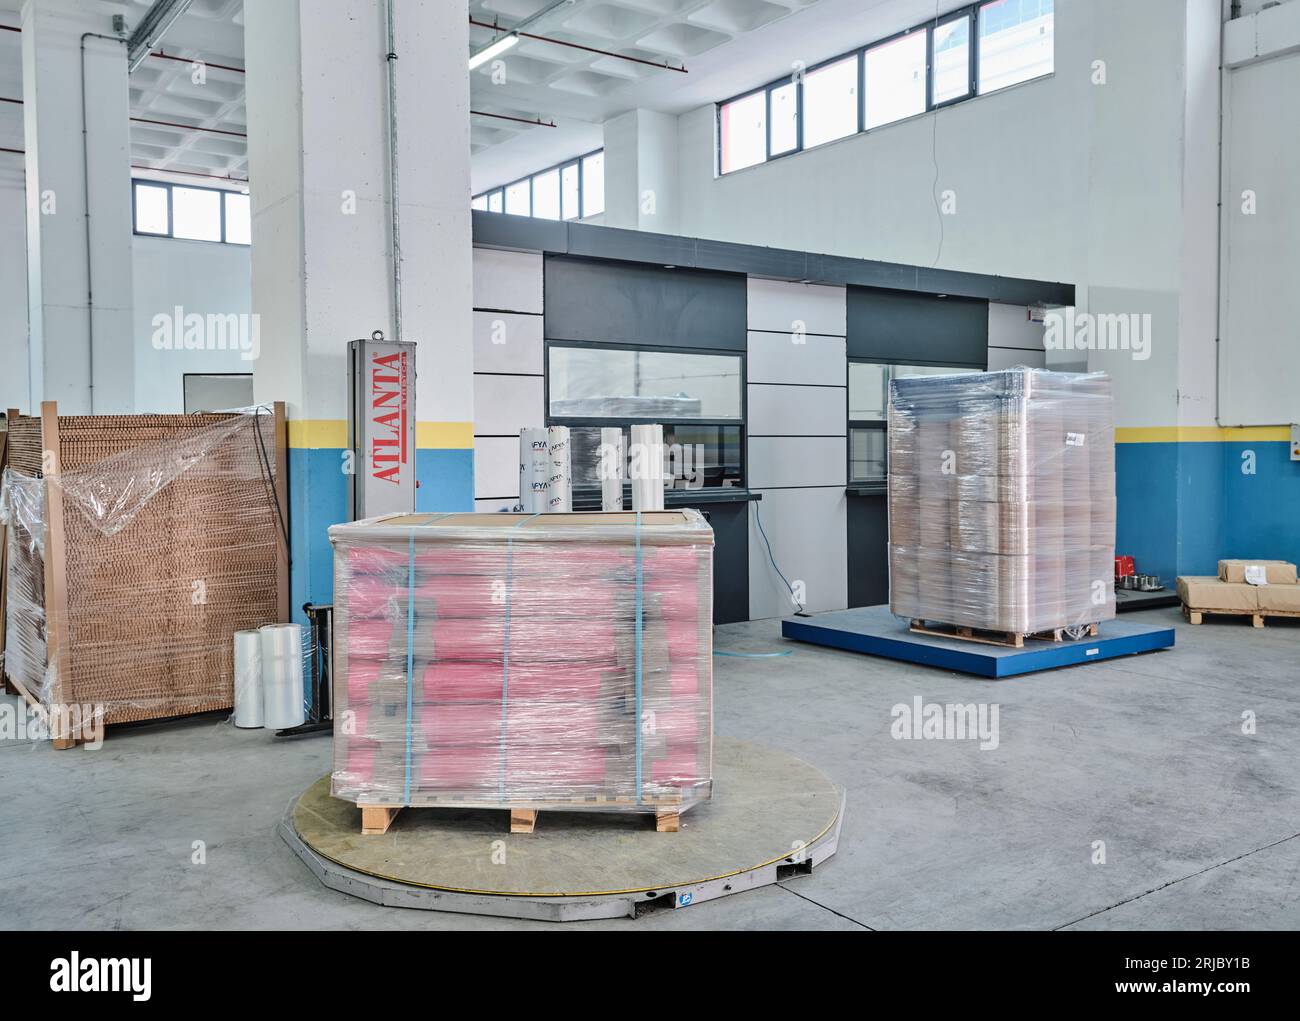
point(138, 546)
point(1002, 499)
point(1253, 588)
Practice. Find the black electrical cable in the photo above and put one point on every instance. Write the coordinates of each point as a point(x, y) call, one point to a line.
point(268, 475)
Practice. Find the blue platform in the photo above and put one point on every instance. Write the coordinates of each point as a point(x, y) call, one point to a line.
point(877, 632)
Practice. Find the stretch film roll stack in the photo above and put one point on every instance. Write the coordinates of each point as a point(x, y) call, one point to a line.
point(1002, 499)
point(646, 467)
point(612, 467)
point(248, 680)
point(524, 660)
point(282, 688)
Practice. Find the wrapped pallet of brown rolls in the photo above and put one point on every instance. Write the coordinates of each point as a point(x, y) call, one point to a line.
point(1015, 470)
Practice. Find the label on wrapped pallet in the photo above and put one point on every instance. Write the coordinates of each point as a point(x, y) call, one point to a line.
point(1256, 574)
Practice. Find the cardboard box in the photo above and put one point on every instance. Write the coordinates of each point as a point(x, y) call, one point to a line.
point(1215, 594)
point(1276, 572)
point(1278, 597)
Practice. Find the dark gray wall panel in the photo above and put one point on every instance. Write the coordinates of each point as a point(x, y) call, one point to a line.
point(625, 303)
point(899, 326)
point(868, 550)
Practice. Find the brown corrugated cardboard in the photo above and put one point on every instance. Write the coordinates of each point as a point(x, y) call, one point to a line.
point(1276, 572)
point(1215, 594)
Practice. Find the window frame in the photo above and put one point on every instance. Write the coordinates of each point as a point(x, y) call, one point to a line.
point(169, 187)
point(972, 12)
point(500, 190)
point(741, 424)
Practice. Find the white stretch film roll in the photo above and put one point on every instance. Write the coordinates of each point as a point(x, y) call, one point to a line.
point(612, 469)
point(282, 692)
point(249, 712)
point(559, 483)
point(646, 467)
point(534, 469)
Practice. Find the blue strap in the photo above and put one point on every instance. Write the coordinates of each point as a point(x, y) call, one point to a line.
point(640, 575)
point(505, 658)
point(410, 656)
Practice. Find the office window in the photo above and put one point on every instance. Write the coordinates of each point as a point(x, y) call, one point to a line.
point(698, 455)
point(546, 195)
point(784, 118)
point(868, 414)
point(593, 184)
point(570, 209)
point(950, 71)
point(518, 198)
point(479, 202)
point(743, 130)
point(894, 80)
point(1016, 42)
point(656, 386)
point(239, 225)
point(191, 213)
point(830, 102)
point(151, 209)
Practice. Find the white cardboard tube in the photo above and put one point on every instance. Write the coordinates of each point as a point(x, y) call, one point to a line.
point(282, 692)
point(612, 469)
point(249, 712)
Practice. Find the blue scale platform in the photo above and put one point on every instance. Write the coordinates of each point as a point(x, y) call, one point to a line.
point(877, 632)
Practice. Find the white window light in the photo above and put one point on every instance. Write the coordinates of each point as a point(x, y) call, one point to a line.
point(491, 50)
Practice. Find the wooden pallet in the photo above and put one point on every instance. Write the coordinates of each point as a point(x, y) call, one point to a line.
point(1006, 639)
point(376, 819)
point(1256, 616)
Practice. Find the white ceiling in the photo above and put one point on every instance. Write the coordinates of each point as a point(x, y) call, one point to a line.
point(726, 45)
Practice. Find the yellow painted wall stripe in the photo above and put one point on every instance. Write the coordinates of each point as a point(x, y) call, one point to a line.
point(1204, 434)
point(332, 434)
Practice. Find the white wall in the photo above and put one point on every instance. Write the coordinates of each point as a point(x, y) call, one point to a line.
point(200, 276)
point(1057, 179)
point(1260, 349)
point(13, 287)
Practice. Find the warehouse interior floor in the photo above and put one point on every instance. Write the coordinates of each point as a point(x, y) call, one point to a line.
point(1147, 753)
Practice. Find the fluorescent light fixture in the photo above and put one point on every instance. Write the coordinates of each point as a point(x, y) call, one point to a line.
point(492, 50)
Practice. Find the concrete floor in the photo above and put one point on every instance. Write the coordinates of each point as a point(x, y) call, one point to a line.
point(1146, 753)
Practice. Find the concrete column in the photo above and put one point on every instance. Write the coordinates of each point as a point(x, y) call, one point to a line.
point(641, 171)
point(79, 283)
point(317, 98)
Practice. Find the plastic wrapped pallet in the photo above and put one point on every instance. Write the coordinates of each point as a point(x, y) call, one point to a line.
point(524, 661)
point(137, 546)
point(1002, 499)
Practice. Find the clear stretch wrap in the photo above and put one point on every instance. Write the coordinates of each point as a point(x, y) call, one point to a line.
point(137, 546)
point(1002, 499)
point(524, 660)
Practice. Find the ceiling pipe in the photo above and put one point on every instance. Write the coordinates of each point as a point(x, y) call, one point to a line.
point(520, 120)
point(576, 46)
point(153, 26)
point(499, 46)
point(162, 56)
point(170, 124)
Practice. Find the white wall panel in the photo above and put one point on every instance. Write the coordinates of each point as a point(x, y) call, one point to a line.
point(496, 467)
point(777, 305)
point(505, 404)
point(1010, 326)
point(796, 461)
point(808, 531)
point(507, 342)
point(776, 358)
point(507, 281)
point(797, 410)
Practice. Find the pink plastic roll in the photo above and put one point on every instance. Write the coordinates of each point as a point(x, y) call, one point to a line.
point(374, 559)
point(468, 640)
point(462, 560)
point(370, 638)
point(373, 595)
point(566, 681)
point(546, 722)
point(536, 768)
point(461, 767)
point(465, 681)
point(464, 595)
point(679, 723)
point(363, 671)
point(460, 723)
point(685, 679)
point(361, 763)
point(683, 638)
point(677, 768)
